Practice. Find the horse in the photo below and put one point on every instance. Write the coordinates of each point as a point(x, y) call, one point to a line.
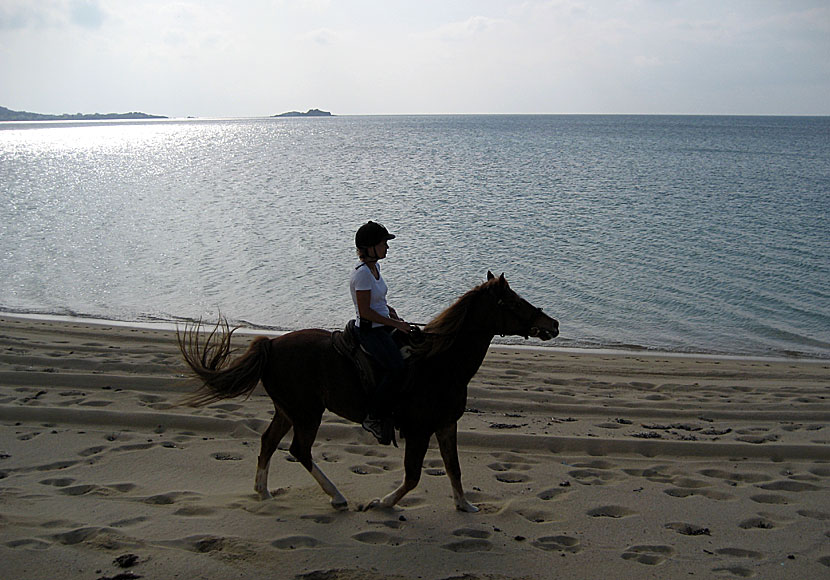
point(304, 376)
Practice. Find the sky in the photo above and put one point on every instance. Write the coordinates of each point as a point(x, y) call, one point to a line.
point(248, 58)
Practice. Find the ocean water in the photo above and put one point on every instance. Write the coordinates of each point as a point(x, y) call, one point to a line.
point(672, 233)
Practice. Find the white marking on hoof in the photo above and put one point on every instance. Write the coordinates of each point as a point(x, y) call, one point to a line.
point(465, 506)
point(261, 483)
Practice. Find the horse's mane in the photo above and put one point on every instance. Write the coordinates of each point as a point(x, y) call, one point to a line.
point(440, 333)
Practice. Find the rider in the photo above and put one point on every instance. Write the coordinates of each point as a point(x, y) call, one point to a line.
point(376, 321)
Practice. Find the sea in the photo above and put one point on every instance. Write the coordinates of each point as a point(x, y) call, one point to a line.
point(678, 234)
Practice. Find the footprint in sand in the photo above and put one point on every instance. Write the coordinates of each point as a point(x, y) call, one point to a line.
point(683, 492)
point(655, 474)
point(96, 403)
point(170, 497)
point(769, 498)
point(499, 466)
point(558, 544)
point(814, 514)
point(759, 523)
point(226, 456)
point(649, 555)
point(592, 476)
point(384, 464)
point(553, 493)
point(514, 458)
point(78, 489)
point(737, 477)
point(376, 538)
point(77, 536)
point(469, 545)
point(318, 518)
point(737, 571)
point(688, 529)
point(537, 516)
point(56, 465)
point(194, 511)
point(365, 470)
point(92, 451)
point(598, 464)
point(476, 533)
point(820, 471)
point(691, 483)
point(29, 544)
point(512, 477)
point(58, 481)
point(789, 485)
point(740, 553)
point(610, 511)
point(129, 522)
point(296, 542)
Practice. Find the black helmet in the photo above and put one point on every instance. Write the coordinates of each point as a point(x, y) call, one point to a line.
point(371, 234)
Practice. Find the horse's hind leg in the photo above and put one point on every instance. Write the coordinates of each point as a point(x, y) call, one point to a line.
point(448, 444)
point(279, 426)
point(304, 436)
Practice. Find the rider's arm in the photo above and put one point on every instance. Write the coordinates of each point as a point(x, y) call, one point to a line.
point(364, 299)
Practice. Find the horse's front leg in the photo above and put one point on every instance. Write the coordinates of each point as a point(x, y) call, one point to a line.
point(448, 444)
point(416, 449)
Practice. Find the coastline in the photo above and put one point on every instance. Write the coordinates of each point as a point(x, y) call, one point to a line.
point(509, 343)
point(589, 464)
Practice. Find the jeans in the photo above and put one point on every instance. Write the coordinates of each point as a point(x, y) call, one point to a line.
point(380, 344)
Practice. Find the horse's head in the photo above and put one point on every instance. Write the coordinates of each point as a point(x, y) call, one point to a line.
point(512, 314)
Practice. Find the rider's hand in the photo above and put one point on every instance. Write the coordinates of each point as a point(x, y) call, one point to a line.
point(403, 326)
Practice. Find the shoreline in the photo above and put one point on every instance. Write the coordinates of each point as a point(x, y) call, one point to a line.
point(496, 344)
point(590, 464)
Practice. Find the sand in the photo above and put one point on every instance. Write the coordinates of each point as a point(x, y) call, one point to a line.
point(584, 465)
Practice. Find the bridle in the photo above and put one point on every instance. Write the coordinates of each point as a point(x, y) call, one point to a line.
point(511, 306)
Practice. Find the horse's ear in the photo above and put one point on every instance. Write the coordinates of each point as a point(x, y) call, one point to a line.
point(502, 280)
point(489, 275)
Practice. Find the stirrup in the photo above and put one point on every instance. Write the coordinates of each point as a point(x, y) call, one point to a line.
point(382, 429)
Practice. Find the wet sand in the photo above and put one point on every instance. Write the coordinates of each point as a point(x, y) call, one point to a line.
point(584, 465)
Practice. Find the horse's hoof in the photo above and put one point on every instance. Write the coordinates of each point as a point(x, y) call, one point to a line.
point(467, 507)
point(264, 495)
point(340, 505)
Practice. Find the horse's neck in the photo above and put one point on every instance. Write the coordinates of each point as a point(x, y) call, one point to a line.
point(467, 353)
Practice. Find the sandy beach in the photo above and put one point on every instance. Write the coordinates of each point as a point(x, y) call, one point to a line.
point(584, 465)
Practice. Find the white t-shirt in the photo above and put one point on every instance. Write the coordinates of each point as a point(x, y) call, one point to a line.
point(363, 279)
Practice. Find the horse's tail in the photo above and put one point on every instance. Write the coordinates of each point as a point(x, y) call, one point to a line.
point(209, 357)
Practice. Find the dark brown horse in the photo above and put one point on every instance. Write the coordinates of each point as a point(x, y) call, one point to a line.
point(305, 376)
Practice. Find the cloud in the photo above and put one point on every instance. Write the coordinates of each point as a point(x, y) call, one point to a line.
point(322, 36)
point(41, 14)
point(642, 61)
point(86, 13)
point(20, 14)
point(467, 29)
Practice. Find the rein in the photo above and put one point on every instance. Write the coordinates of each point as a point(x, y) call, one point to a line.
point(509, 305)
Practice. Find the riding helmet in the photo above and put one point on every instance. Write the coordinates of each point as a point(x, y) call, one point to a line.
point(371, 234)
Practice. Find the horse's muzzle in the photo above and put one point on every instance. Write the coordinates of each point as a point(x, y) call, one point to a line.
point(545, 329)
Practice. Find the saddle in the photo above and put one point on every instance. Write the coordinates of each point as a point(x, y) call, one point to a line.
point(347, 343)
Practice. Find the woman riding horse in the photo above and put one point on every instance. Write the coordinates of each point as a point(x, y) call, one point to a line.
point(376, 320)
point(304, 376)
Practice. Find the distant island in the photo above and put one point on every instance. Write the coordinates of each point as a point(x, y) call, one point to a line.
point(309, 113)
point(9, 115)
